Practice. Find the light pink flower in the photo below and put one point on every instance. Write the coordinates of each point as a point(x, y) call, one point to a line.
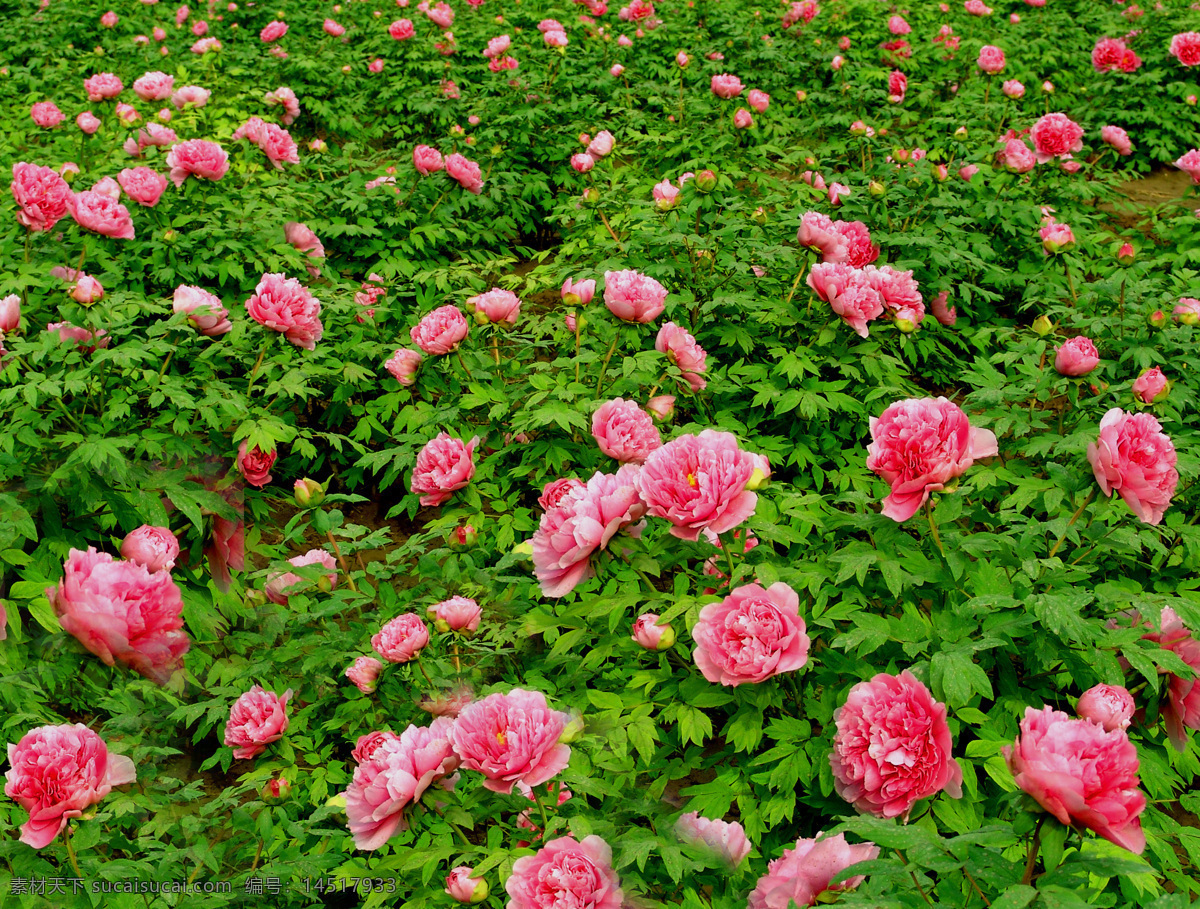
point(742, 119)
point(1076, 357)
point(101, 214)
point(256, 719)
point(427, 160)
point(849, 293)
point(102, 86)
point(41, 194)
point(582, 162)
point(86, 290)
point(837, 192)
point(281, 586)
point(285, 305)
point(56, 773)
point(1118, 139)
point(1111, 706)
point(632, 296)
point(109, 19)
point(1181, 707)
point(10, 314)
point(197, 158)
point(441, 331)
point(751, 635)
point(190, 96)
point(725, 841)
point(918, 446)
point(273, 31)
point(496, 307)
point(650, 635)
point(403, 365)
point(332, 28)
point(1013, 89)
point(462, 886)
point(616, 69)
point(682, 350)
point(1151, 386)
point(143, 185)
point(698, 483)
point(759, 100)
point(204, 310)
point(892, 746)
point(804, 872)
point(1055, 135)
point(565, 872)
point(401, 639)
point(154, 86)
point(578, 293)
point(624, 431)
point(46, 114)
point(107, 186)
point(122, 612)
point(461, 614)
point(967, 171)
point(1185, 47)
point(1190, 164)
point(1187, 311)
point(440, 14)
point(511, 738)
point(364, 673)
point(466, 172)
point(1017, 157)
point(444, 465)
point(401, 29)
point(820, 233)
point(88, 122)
point(154, 548)
point(991, 59)
point(601, 145)
point(666, 195)
point(726, 86)
point(1134, 457)
point(1081, 774)
point(946, 315)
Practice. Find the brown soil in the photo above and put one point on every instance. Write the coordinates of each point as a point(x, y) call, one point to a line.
point(1166, 187)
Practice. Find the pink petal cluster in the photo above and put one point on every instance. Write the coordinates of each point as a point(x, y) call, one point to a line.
point(1111, 54)
point(1134, 457)
point(441, 331)
point(1151, 386)
point(726, 86)
point(1076, 357)
point(461, 614)
point(274, 141)
point(698, 483)
point(154, 548)
point(204, 310)
point(122, 612)
point(566, 872)
point(56, 773)
point(41, 194)
point(102, 86)
point(848, 292)
point(143, 185)
point(101, 213)
point(256, 719)
point(892, 746)
point(624, 431)
point(751, 635)
point(579, 520)
point(401, 639)
point(1016, 156)
point(1118, 139)
point(280, 586)
point(401, 30)
point(364, 673)
point(154, 86)
point(496, 307)
point(285, 305)
point(273, 31)
point(804, 872)
point(427, 160)
point(393, 775)
point(511, 738)
point(444, 465)
point(190, 96)
point(633, 297)
point(1081, 774)
point(1056, 135)
point(46, 114)
point(466, 172)
point(403, 365)
point(682, 350)
point(1181, 707)
point(1185, 47)
point(1190, 164)
point(1111, 706)
point(197, 158)
point(991, 59)
point(725, 840)
point(918, 446)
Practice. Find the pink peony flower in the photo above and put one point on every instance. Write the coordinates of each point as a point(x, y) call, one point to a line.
point(364, 673)
point(1181, 707)
point(897, 86)
point(1081, 774)
point(143, 185)
point(403, 365)
point(281, 586)
point(56, 773)
point(751, 635)
point(1076, 357)
point(1187, 311)
point(848, 292)
point(946, 315)
point(273, 31)
point(88, 122)
point(892, 747)
point(1112, 54)
point(255, 464)
point(666, 195)
point(1118, 139)
point(120, 611)
point(918, 446)
point(87, 341)
point(427, 160)
point(401, 29)
point(991, 59)
point(1111, 706)
point(256, 719)
point(285, 305)
point(401, 639)
point(154, 548)
point(108, 187)
point(742, 119)
point(496, 307)
point(41, 194)
point(1134, 457)
point(565, 872)
point(759, 100)
point(1055, 135)
point(818, 232)
point(1017, 157)
point(804, 872)
point(443, 465)
point(1013, 89)
point(333, 29)
point(154, 86)
point(601, 145)
point(441, 331)
point(190, 96)
point(633, 297)
point(102, 86)
point(582, 162)
point(100, 213)
point(204, 310)
point(460, 614)
point(726, 86)
point(650, 635)
point(968, 171)
point(1190, 164)
point(511, 738)
point(682, 350)
point(466, 172)
point(1151, 386)
point(197, 158)
point(578, 293)
point(624, 431)
point(698, 483)
point(725, 841)
point(86, 290)
point(1185, 47)
point(10, 316)
point(616, 69)
point(462, 886)
point(46, 114)
point(109, 19)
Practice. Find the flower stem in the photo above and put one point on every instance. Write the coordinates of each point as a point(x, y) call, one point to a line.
point(577, 318)
point(1035, 844)
point(71, 853)
point(933, 527)
point(1070, 281)
point(257, 363)
point(604, 366)
point(1075, 517)
point(337, 550)
point(541, 810)
point(495, 345)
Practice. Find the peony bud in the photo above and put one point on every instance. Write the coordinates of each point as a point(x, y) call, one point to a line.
point(87, 290)
point(760, 216)
point(308, 493)
point(523, 550)
point(960, 133)
point(590, 196)
point(1042, 326)
point(462, 537)
point(652, 636)
point(661, 408)
point(801, 95)
point(463, 887)
point(875, 188)
point(906, 326)
point(1157, 319)
point(1111, 706)
point(1126, 254)
point(1151, 386)
point(706, 181)
point(10, 314)
point(276, 789)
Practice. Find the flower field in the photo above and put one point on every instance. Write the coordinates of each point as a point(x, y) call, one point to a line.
point(541, 455)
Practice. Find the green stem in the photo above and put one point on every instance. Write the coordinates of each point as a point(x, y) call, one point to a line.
point(933, 527)
point(541, 810)
point(1035, 844)
point(257, 363)
point(337, 550)
point(1070, 281)
point(604, 365)
point(578, 316)
point(1075, 517)
point(71, 853)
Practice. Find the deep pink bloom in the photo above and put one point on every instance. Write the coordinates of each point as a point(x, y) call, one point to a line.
point(403, 365)
point(401, 639)
point(441, 331)
point(1151, 386)
point(1081, 774)
point(122, 612)
point(742, 119)
point(582, 162)
point(1134, 457)
point(364, 673)
point(109, 19)
point(759, 100)
point(273, 31)
point(10, 315)
point(1017, 157)
point(256, 719)
point(556, 490)
point(918, 446)
point(633, 297)
point(102, 86)
point(624, 431)
point(698, 483)
point(1076, 357)
point(427, 160)
point(1190, 164)
point(563, 873)
point(892, 747)
point(511, 738)
point(897, 86)
point(333, 28)
point(804, 872)
point(1118, 139)
point(56, 772)
point(466, 172)
point(154, 548)
point(303, 239)
point(280, 586)
point(102, 214)
point(1056, 237)
point(682, 350)
point(1185, 47)
point(197, 158)
point(496, 307)
point(285, 305)
point(848, 292)
point(751, 635)
point(1111, 706)
point(1055, 135)
point(143, 185)
point(1181, 707)
point(46, 114)
point(255, 464)
point(204, 310)
point(1111, 54)
point(401, 29)
point(724, 840)
point(991, 59)
point(42, 195)
point(443, 465)
point(726, 86)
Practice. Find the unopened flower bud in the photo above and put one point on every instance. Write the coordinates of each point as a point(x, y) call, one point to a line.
point(308, 493)
point(875, 188)
point(276, 789)
point(760, 216)
point(906, 326)
point(170, 236)
point(706, 181)
point(523, 550)
point(960, 133)
point(462, 537)
point(662, 407)
point(591, 195)
point(801, 95)
point(460, 884)
point(1042, 326)
point(1126, 254)
point(652, 636)
point(1157, 319)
